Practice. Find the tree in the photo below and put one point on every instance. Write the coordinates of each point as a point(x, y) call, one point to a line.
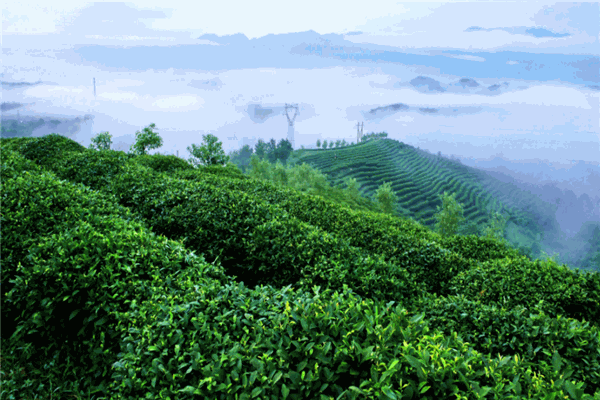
point(337, 143)
point(279, 173)
point(270, 151)
point(283, 150)
point(331, 144)
point(344, 144)
point(352, 188)
point(241, 157)
point(146, 140)
point(259, 168)
point(318, 143)
point(592, 259)
point(260, 148)
point(470, 228)
point(324, 144)
point(101, 141)
point(386, 198)
point(496, 226)
point(209, 153)
point(449, 216)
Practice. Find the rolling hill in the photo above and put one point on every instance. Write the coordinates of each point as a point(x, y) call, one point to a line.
point(418, 178)
point(128, 277)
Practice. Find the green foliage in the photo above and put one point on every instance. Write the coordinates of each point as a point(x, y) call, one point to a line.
point(373, 136)
point(260, 148)
point(270, 151)
point(101, 141)
point(228, 170)
point(50, 148)
point(470, 228)
point(352, 189)
point(324, 144)
point(146, 140)
point(209, 153)
point(496, 227)
point(386, 198)
point(242, 157)
point(283, 150)
point(163, 163)
point(259, 168)
point(293, 297)
point(279, 174)
point(12, 128)
point(449, 216)
point(318, 143)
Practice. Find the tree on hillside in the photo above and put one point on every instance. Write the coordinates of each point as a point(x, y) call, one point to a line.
point(331, 144)
point(283, 150)
point(592, 260)
point(352, 188)
point(324, 144)
point(260, 148)
point(259, 168)
point(449, 216)
point(386, 198)
point(101, 141)
point(209, 153)
point(469, 228)
point(318, 143)
point(496, 227)
point(338, 143)
point(344, 144)
point(279, 173)
point(271, 151)
point(241, 157)
point(146, 140)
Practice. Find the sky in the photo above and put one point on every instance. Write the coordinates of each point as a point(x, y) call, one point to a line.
point(478, 80)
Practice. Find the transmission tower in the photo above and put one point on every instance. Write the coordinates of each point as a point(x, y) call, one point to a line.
point(359, 131)
point(291, 122)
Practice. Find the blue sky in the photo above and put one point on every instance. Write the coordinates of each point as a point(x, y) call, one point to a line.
point(475, 79)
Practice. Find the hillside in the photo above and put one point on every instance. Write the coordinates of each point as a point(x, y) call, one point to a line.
point(129, 277)
point(419, 178)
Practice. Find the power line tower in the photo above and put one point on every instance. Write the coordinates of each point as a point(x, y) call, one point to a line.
point(291, 122)
point(359, 132)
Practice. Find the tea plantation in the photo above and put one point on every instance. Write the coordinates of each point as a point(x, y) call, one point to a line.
point(142, 277)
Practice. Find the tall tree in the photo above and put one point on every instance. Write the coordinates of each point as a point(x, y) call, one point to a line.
point(283, 151)
point(496, 227)
point(260, 149)
point(101, 141)
point(386, 198)
point(146, 140)
point(449, 216)
point(209, 153)
point(270, 151)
